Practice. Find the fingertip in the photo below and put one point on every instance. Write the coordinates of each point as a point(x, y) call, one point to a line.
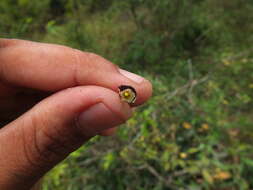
point(144, 92)
point(142, 86)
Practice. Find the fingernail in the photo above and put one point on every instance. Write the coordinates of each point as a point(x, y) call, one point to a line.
point(98, 118)
point(131, 76)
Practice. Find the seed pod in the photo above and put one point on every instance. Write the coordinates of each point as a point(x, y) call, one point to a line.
point(127, 94)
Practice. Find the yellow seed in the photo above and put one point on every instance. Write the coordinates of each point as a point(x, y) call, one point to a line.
point(126, 94)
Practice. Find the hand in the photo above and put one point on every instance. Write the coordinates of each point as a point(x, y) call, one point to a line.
point(59, 97)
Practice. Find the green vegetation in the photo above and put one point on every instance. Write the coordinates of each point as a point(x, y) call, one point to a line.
point(197, 130)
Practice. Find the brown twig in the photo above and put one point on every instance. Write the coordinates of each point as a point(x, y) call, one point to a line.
point(191, 84)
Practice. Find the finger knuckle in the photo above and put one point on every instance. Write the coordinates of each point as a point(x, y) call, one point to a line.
point(46, 147)
point(99, 61)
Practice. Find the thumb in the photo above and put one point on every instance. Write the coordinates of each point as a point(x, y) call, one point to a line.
point(45, 135)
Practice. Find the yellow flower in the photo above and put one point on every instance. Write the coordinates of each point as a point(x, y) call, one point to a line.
point(187, 125)
point(222, 175)
point(226, 62)
point(205, 126)
point(183, 155)
point(251, 85)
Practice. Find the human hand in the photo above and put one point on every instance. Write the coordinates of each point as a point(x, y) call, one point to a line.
point(60, 98)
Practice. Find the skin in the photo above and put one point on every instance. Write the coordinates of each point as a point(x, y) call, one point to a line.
point(51, 97)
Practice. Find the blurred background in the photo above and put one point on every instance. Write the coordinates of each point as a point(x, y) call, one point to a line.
point(197, 130)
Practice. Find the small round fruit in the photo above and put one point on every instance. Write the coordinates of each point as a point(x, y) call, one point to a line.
point(127, 94)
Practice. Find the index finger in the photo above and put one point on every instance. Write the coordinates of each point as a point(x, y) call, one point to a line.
point(51, 67)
